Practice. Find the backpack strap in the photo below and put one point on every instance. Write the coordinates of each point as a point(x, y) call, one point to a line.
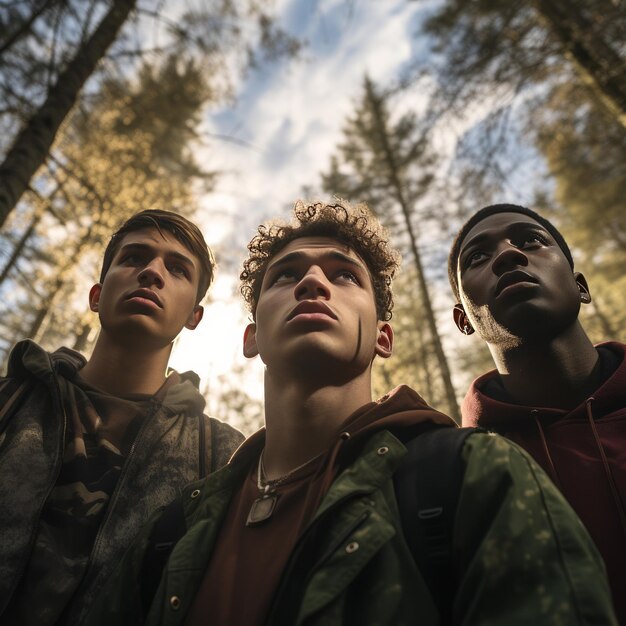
point(427, 486)
point(169, 528)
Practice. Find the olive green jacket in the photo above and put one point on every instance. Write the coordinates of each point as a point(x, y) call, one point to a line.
point(521, 554)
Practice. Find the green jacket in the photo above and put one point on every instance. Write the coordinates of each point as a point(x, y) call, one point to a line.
point(166, 455)
point(522, 555)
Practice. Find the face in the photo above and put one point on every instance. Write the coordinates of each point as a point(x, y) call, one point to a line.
point(316, 312)
point(515, 281)
point(149, 292)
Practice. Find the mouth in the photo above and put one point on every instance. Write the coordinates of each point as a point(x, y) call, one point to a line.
point(145, 294)
point(513, 278)
point(312, 308)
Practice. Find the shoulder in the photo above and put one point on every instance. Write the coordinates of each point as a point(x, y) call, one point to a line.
point(225, 439)
point(224, 431)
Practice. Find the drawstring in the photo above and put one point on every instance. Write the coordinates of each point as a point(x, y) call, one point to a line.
point(607, 468)
point(19, 392)
point(555, 476)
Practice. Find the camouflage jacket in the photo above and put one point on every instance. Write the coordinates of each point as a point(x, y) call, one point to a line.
point(166, 455)
point(521, 554)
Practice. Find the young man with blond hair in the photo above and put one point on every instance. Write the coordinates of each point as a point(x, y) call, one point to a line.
point(89, 449)
point(304, 525)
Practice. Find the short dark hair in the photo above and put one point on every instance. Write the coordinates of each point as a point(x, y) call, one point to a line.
point(492, 209)
point(184, 230)
point(354, 225)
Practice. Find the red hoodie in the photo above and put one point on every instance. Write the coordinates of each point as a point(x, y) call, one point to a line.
point(582, 450)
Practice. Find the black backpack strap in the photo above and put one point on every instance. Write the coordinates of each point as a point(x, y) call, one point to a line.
point(169, 528)
point(427, 486)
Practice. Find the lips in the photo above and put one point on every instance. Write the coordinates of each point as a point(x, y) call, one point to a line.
point(311, 306)
point(512, 278)
point(146, 294)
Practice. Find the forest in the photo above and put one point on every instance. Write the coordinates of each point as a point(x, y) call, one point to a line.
point(108, 107)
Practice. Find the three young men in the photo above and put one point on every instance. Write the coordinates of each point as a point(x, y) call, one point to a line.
point(90, 449)
point(303, 525)
point(553, 392)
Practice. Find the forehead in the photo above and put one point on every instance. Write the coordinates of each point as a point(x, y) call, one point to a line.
point(315, 248)
point(496, 225)
point(151, 238)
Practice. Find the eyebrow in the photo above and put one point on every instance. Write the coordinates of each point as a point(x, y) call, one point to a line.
point(510, 229)
point(144, 247)
point(332, 255)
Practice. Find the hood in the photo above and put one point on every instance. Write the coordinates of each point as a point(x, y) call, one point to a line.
point(27, 359)
point(180, 392)
point(481, 408)
point(401, 411)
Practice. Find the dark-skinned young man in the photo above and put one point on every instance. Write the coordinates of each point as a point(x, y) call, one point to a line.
point(303, 525)
point(89, 449)
point(553, 392)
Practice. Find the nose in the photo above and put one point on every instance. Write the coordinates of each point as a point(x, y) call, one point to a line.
point(508, 257)
point(313, 285)
point(151, 274)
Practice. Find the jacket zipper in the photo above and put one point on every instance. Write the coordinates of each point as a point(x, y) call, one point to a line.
point(55, 473)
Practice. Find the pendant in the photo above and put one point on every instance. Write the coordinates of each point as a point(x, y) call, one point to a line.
point(262, 509)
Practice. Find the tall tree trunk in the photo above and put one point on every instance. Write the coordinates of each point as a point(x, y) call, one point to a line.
point(597, 61)
point(21, 244)
point(55, 290)
point(82, 337)
point(31, 146)
point(399, 190)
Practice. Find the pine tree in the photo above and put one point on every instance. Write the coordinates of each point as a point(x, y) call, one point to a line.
point(387, 166)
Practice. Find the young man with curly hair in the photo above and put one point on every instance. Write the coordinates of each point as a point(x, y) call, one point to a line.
point(89, 449)
point(303, 526)
point(554, 393)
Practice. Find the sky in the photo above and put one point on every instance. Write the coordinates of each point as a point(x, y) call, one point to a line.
point(285, 124)
point(276, 138)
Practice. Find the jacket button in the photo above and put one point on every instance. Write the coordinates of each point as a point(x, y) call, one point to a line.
point(195, 493)
point(175, 603)
point(353, 546)
point(382, 450)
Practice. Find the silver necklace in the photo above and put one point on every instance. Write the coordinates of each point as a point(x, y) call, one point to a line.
point(263, 507)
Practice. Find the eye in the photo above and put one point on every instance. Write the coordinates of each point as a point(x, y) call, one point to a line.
point(348, 276)
point(132, 258)
point(282, 276)
point(178, 269)
point(531, 239)
point(475, 258)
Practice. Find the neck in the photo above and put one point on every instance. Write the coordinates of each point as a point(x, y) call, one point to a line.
point(126, 369)
point(302, 421)
point(556, 373)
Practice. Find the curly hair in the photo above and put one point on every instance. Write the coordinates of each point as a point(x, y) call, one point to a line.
point(354, 225)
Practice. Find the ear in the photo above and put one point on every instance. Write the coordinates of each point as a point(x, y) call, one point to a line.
point(94, 297)
point(250, 349)
point(195, 317)
point(585, 294)
point(384, 340)
point(461, 320)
